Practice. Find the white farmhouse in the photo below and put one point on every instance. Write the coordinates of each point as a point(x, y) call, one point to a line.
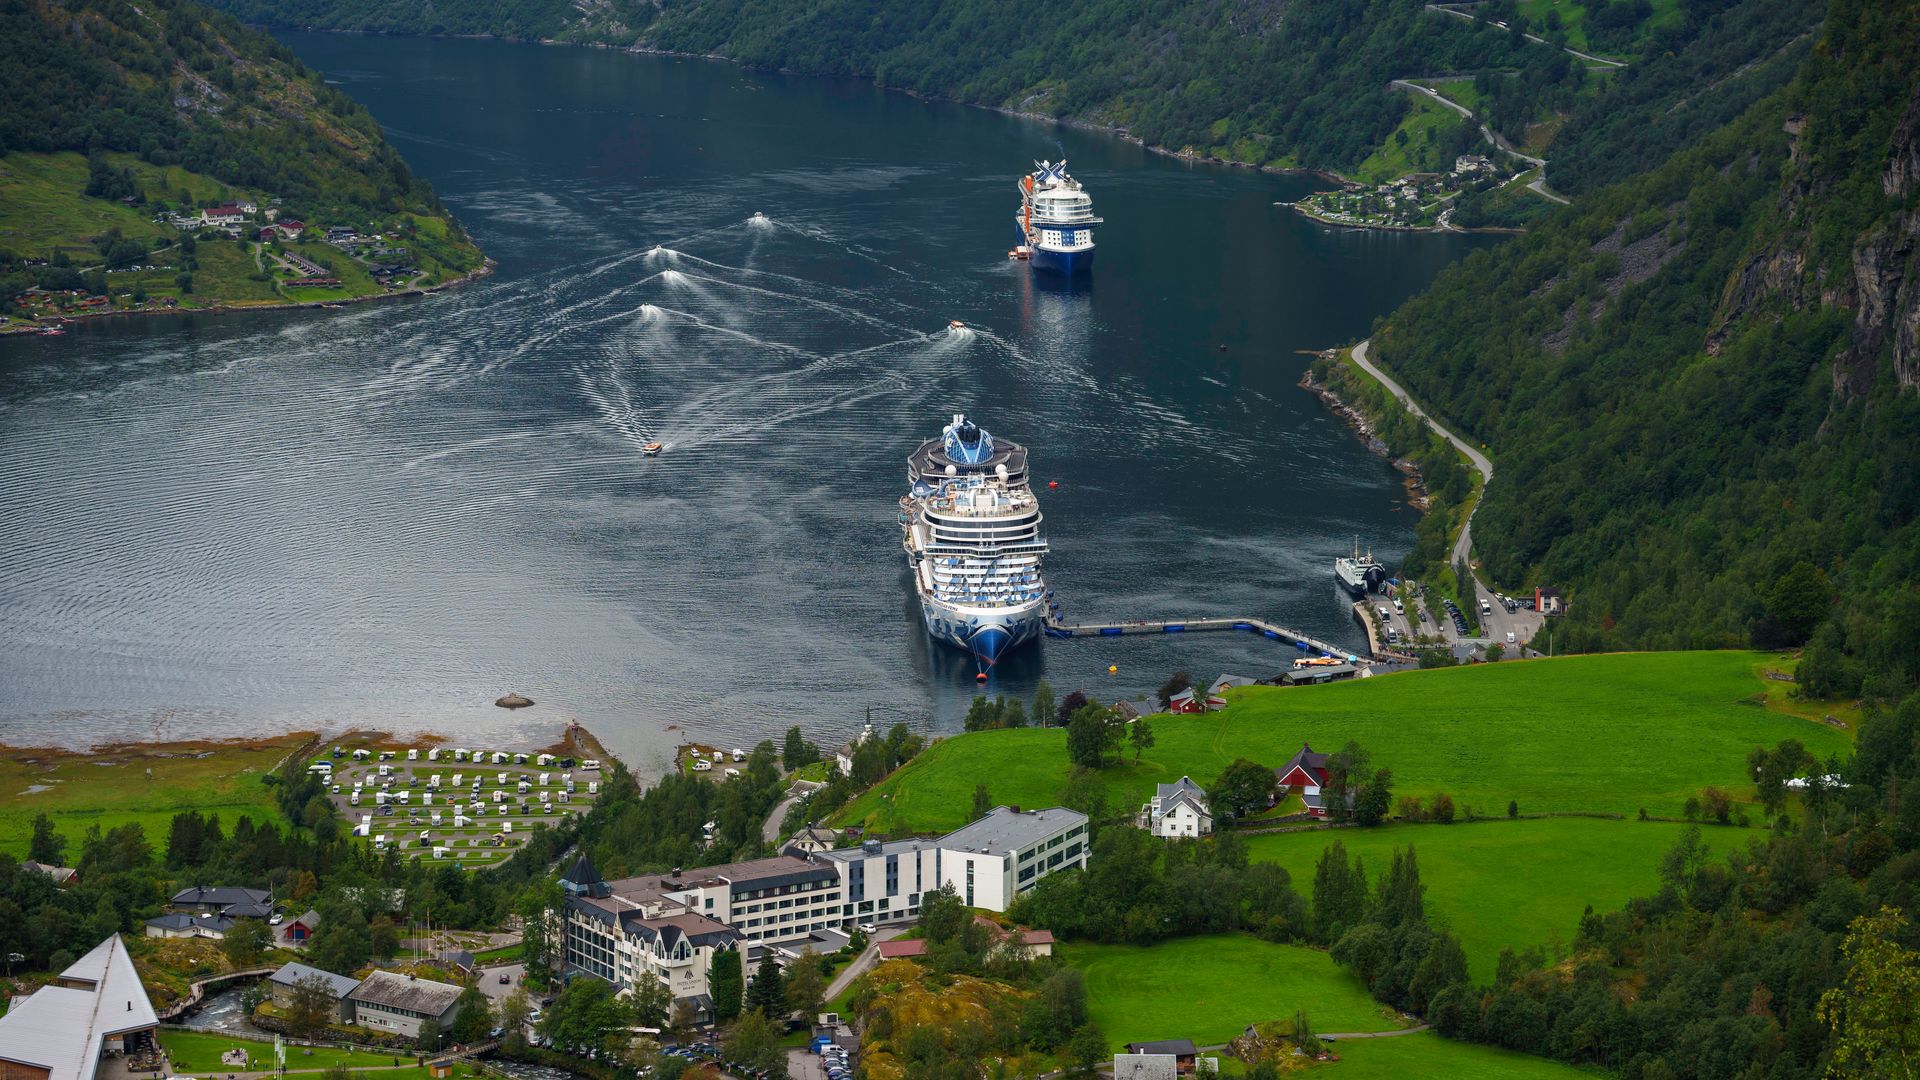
point(1177, 809)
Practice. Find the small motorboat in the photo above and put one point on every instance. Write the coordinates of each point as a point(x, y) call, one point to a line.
point(1021, 252)
point(51, 331)
point(759, 218)
point(652, 449)
point(955, 326)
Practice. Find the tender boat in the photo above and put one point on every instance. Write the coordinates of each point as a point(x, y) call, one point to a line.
point(956, 326)
point(652, 449)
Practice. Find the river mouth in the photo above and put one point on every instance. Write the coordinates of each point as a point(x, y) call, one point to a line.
point(389, 516)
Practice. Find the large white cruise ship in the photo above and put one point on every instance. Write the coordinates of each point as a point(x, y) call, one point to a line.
point(1055, 220)
point(971, 530)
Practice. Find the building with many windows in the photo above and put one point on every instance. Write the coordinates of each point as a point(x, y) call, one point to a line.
point(1008, 851)
point(673, 927)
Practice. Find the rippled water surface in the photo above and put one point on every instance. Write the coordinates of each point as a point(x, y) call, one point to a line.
point(389, 515)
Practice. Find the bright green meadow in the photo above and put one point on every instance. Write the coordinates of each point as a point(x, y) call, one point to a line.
point(1209, 989)
point(1609, 733)
point(1506, 883)
point(1425, 1054)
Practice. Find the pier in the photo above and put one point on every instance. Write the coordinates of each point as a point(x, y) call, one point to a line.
point(1303, 642)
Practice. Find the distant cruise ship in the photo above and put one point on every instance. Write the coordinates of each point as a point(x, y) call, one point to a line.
point(971, 529)
point(1055, 220)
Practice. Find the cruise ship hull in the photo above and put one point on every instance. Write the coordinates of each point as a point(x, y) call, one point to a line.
point(1065, 263)
point(987, 633)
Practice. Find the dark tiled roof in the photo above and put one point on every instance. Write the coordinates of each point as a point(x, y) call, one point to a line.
point(397, 991)
point(218, 924)
point(220, 895)
point(1176, 1047)
point(1306, 759)
point(338, 985)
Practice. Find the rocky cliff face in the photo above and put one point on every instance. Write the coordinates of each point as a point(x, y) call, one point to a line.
point(1886, 276)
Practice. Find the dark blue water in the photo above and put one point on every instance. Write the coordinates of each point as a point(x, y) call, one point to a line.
point(389, 515)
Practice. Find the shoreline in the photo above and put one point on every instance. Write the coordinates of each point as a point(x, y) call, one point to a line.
point(1115, 130)
point(1310, 214)
point(1416, 484)
point(485, 269)
point(573, 739)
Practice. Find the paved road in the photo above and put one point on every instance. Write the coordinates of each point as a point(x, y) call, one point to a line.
point(865, 961)
point(770, 829)
point(1601, 60)
point(490, 984)
point(1539, 187)
point(1492, 137)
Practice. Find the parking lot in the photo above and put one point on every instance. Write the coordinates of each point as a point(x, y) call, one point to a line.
point(447, 803)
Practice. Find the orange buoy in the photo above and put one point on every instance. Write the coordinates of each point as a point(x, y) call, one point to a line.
point(1113, 669)
point(1053, 483)
point(980, 677)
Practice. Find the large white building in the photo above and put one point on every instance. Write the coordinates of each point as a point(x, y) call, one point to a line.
point(671, 928)
point(1008, 851)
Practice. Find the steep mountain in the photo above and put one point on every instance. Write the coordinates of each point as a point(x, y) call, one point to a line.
point(175, 106)
point(1699, 385)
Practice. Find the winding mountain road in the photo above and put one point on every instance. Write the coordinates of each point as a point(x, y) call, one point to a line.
point(1569, 50)
point(1481, 463)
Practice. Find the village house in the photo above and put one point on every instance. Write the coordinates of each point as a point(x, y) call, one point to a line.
point(1186, 701)
point(1304, 775)
point(281, 986)
point(61, 875)
point(94, 1010)
point(814, 839)
point(1177, 809)
point(400, 1004)
point(183, 925)
point(229, 901)
point(1184, 1054)
point(1217, 693)
point(1467, 164)
point(300, 931)
point(225, 216)
point(1548, 602)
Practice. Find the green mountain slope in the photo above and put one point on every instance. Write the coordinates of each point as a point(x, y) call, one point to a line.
point(176, 107)
point(1699, 385)
point(1280, 82)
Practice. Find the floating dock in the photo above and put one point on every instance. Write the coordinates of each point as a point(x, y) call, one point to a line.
point(1303, 642)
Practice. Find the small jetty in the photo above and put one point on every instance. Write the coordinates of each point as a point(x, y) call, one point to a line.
point(1303, 642)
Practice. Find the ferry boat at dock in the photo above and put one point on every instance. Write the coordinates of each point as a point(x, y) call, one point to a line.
point(1359, 574)
point(1055, 221)
point(970, 527)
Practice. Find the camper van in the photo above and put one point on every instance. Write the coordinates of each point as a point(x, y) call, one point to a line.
point(413, 755)
point(590, 765)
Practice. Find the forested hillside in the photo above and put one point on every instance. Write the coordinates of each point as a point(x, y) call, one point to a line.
point(174, 107)
point(1700, 385)
point(1297, 83)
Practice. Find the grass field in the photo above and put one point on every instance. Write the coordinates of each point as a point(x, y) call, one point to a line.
point(1507, 883)
point(1583, 733)
point(199, 1052)
point(1426, 1054)
point(1393, 159)
point(1210, 988)
point(148, 785)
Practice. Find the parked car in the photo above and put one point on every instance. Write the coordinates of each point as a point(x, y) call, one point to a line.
point(506, 979)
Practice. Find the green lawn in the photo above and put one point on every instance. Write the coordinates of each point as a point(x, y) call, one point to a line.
point(1426, 1054)
point(1209, 989)
point(199, 1052)
point(1425, 121)
point(1585, 733)
point(148, 786)
point(1507, 883)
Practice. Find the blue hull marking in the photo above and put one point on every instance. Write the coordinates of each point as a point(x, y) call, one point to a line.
point(1066, 263)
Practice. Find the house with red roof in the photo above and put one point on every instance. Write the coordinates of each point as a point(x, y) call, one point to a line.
point(1304, 775)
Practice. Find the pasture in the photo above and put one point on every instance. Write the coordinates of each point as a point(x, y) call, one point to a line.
point(1608, 733)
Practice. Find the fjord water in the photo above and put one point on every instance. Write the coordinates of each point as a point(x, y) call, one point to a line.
point(388, 515)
